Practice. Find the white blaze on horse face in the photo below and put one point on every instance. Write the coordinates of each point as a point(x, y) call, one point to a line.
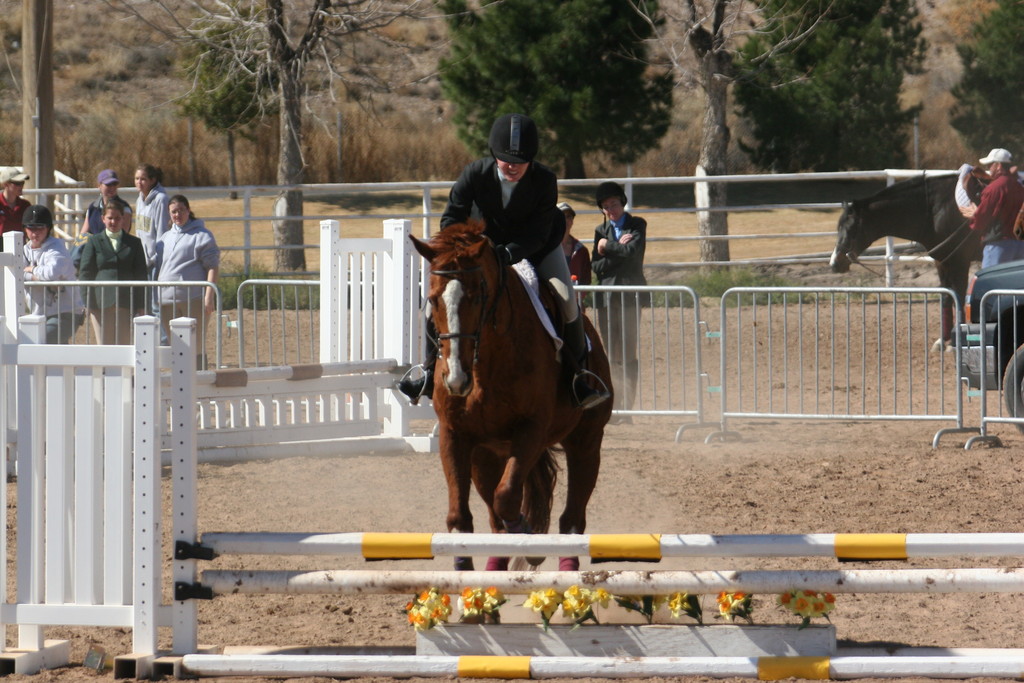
point(835, 257)
point(457, 379)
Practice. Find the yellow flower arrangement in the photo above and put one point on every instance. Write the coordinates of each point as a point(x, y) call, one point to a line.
point(578, 603)
point(545, 603)
point(680, 604)
point(478, 603)
point(732, 605)
point(428, 609)
point(432, 607)
point(808, 604)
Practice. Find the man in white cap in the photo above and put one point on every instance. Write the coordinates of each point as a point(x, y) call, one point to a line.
point(996, 213)
point(12, 206)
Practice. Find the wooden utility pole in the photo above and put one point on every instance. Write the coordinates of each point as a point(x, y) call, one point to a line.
point(37, 92)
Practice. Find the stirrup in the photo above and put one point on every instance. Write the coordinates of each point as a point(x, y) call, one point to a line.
point(596, 396)
point(415, 389)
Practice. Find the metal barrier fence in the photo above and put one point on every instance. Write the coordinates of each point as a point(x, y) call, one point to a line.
point(278, 322)
point(109, 325)
point(836, 353)
point(1000, 305)
point(653, 341)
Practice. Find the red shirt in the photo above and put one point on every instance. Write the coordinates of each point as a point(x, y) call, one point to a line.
point(997, 211)
point(10, 216)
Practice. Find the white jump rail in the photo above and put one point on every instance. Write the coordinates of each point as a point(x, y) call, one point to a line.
point(395, 546)
point(618, 582)
point(763, 668)
point(313, 409)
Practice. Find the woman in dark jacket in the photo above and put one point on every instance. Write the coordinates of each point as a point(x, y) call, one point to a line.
point(113, 255)
point(619, 245)
point(516, 199)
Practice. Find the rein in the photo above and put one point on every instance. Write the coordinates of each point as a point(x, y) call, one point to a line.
point(486, 312)
point(960, 235)
point(960, 230)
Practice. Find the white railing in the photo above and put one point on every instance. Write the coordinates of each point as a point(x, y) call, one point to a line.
point(426, 196)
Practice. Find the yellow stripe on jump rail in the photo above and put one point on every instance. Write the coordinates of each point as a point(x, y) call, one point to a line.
point(396, 546)
point(778, 668)
point(871, 546)
point(494, 667)
point(626, 546)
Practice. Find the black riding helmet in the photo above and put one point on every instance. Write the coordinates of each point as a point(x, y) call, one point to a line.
point(514, 139)
point(37, 214)
point(609, 189)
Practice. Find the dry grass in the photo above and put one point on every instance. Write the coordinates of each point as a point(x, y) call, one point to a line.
point(790, 224)
point(116, 88)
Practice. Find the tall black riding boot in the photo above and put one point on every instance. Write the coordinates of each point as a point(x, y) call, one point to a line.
point(586, 396)
point(424, 384)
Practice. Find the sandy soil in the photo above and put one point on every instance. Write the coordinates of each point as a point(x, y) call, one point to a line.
point(809, 478)
point(783, 477)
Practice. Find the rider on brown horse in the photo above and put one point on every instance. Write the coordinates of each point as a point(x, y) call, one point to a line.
point(516, 198)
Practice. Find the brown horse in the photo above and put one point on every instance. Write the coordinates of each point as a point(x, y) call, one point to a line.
point(502, 396)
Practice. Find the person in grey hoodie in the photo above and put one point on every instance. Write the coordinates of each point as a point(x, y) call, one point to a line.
point(47, 260)
point(187, 252)
point(150, 219)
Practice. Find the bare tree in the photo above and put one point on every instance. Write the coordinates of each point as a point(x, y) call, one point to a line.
point(699, 38)
point(279, 43)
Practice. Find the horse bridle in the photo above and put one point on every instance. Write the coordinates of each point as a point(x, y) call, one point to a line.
point(486, 313)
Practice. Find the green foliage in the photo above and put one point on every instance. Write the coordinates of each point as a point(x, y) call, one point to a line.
point(578, 67)
point(831, 100)
point(289, 295)
point(990, 94)
point(713, 282)
point(227, 93)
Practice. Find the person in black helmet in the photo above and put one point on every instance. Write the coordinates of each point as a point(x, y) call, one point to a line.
point(618, 259)
point(47, 260)
point(516, 198)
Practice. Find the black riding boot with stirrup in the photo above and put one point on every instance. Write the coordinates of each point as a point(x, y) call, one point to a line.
point(583, 394)
point(422, 386)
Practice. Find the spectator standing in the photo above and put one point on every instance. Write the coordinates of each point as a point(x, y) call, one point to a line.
point(150, 219)
point(577, 256)
point(618, 259)
point(12, 205)
point(994, 217)
point(113, 255)
point(94, 223)
point(47, 260)
point(187, 252)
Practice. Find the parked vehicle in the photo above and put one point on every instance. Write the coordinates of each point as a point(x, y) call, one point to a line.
point(995, 333)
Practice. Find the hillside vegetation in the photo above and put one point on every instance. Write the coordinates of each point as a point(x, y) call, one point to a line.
point(116, 86)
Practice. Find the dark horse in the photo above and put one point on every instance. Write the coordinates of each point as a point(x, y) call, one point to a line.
point(502, 397)
point(922, 209)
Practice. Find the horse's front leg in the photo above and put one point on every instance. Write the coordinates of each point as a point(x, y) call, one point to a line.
point(508, 494)
point(582, 463)
point(457, 465)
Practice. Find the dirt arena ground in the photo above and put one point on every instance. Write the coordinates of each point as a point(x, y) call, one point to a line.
point(782, 477)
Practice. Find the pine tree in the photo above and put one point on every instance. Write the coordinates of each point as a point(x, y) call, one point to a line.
point(820, 85)
point(577, 67)
point(990, 94)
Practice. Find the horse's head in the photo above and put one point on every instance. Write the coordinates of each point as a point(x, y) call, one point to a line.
point(464, 283)
point(850, 239)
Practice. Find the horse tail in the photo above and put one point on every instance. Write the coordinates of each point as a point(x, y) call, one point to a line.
point(539, 493)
